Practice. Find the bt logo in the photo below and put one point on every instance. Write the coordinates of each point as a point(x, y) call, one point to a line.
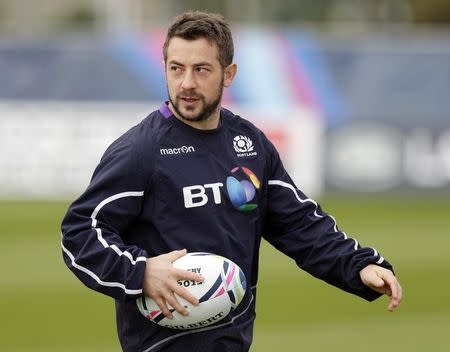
point(195, 196)
point(241, 189)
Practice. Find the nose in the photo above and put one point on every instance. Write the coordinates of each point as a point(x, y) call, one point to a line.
point(188, 81)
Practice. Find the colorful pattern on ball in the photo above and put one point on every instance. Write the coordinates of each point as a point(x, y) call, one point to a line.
point(235, 282)
point(216, 290)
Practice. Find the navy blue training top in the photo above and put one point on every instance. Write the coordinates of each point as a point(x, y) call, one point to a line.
point(164, 185)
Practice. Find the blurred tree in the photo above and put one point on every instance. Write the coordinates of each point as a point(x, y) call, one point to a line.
point(431, 11)
point(209, 5)
point(2, 13)
point(373, 11)
point(79, 18)
point(300, 10)
point(233, 10)
point(17, 16)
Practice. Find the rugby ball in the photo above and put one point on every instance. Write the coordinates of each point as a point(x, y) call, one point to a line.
point(221, 291)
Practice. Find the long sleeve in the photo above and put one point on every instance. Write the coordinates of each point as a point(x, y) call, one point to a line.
point(297, 226)
point(95, 226)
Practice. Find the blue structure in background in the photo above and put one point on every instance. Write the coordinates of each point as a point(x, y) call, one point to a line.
point(130, 53)
point(261, 78)
point(343, 79)
point(308, 53)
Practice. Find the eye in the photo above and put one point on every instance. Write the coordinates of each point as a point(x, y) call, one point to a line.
point(175, 69)
point(202, 69)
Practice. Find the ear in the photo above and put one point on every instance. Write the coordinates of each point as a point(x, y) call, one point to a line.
point(229, 74)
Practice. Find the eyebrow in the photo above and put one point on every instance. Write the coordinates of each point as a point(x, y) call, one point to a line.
point(203, 63)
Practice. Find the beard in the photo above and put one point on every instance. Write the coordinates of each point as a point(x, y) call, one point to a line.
point(206, 109)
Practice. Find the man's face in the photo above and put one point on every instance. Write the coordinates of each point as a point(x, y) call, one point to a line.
point(195, 78)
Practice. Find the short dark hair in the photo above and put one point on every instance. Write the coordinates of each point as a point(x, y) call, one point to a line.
point(197, 24)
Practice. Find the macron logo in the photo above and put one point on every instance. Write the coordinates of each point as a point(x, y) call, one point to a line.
point(178, 150)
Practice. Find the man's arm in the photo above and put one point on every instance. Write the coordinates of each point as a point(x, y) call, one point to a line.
point(297, 226)
point(92, 242)
point(92, 230)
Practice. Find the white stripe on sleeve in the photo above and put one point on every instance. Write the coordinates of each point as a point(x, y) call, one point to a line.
point(335, 228)
point(99, 231)
point(289, 186)
point(96, 278)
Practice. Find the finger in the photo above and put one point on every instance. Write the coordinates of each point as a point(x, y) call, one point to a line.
point(393, 303)
point(397, 290)
point(393, 288)
point(163, 306)
point(172, 300)
point(188, 275)
point(396, 297)
point(182, 292)
point(174, 255)
point(391, 284)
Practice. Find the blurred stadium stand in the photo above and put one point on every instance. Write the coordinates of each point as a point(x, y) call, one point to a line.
point(396, 79)
point(67, 71)
point(384, 97)
point(401, 79)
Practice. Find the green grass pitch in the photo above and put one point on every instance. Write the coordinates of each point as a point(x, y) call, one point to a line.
point(45, 308)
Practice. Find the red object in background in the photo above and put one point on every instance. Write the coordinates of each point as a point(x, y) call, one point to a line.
point(278, 138)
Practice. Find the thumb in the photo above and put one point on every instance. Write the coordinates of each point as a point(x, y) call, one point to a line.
point(174, 255)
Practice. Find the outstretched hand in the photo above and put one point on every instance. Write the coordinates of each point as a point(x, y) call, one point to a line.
point(383, 281)
point(161, 282)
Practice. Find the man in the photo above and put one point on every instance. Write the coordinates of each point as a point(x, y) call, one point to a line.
point(160, 190)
